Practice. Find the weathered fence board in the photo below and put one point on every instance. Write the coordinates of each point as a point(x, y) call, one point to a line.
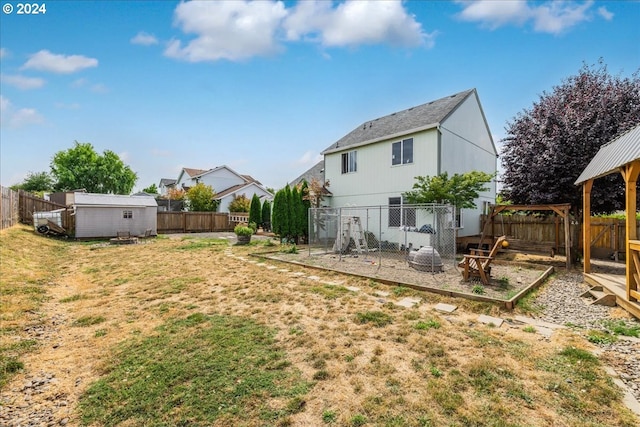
point(608, 234)
point(192, 222)
point(30, 203)
point(10, 211)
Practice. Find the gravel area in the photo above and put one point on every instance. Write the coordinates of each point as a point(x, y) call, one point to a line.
point(561, 303)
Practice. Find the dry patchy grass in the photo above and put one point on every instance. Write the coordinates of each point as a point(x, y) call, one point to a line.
point(361, 361)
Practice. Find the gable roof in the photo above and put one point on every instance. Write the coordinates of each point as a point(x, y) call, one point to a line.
point(237, 189)
point(316, 171)
point(167, 181)
point(622, 150)
point(194, 172)
point(413, 119)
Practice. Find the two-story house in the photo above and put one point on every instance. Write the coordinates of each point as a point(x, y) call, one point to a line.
point(226, 183)
point(378, 161)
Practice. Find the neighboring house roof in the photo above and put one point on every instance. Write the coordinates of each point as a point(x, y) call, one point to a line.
point(112, 200)
point(622, 150)
point(194, 172)
point(237, 189)
point(217, 168)
point(315, 172)
point(249, 178)
point(411, 120)
point(167, 182)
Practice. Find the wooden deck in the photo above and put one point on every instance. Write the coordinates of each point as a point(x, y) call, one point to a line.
point(614, 284)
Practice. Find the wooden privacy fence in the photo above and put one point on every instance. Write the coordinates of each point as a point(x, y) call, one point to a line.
point(10, 213)
point(608, 234)
point(192, 222)
point(30, 203)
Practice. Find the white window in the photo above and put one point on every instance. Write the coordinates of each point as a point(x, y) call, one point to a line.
point(402, 152)
point(400, 215)
point(349, 162)
point(456, 221)
point(127, 214)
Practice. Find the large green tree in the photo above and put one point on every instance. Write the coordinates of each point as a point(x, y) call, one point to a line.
point(459, 190)
point(549, 144)
point(255, 211)
point(152, 189)
point(200, 198)
point(266, 215)
point(82, 167)
point(36, 182)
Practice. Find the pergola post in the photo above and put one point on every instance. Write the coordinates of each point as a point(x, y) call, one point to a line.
point(630, 173)
point(586, 225)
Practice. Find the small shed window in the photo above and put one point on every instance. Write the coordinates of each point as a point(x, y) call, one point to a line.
point(127, 214)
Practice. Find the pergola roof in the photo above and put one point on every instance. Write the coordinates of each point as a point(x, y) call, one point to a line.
point(619, 152)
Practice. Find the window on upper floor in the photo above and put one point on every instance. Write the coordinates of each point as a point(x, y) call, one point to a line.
point(402, 152)
point(349, 162)
point(401, 215)
point(127, 214)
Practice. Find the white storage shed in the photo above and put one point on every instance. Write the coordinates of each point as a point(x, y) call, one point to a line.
point(105, 215)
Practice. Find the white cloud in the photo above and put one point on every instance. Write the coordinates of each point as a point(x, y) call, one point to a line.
point(156, 152)
point(4, 53)
point(99, 88)
point(232, 30)
point(62, 64)
point(17, 118)
point(552, 17)
point(354, 23)
point(556, 17)
point(309, 158)
point(93, 87)
point(602, 11)
point(494, 13)
point(63, 106)
point(144, 39)
point(22, 82)
point(237, 30)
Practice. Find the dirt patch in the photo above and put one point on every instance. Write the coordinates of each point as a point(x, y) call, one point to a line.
point(506, 280)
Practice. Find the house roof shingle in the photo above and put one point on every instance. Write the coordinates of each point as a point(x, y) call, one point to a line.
point(193, 172)
point(402, 122)
point(167, 181)
point(316, 171)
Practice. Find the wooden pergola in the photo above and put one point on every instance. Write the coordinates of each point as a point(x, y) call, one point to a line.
point(562, 210)
point(621, 155)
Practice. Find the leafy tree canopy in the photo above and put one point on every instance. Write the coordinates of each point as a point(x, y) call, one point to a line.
point(240, 204)
point(152, 189)
point(81, 167)
point(175, 194)
point(550, 144)
point(461, 190)
point(36, 182)
point(200, 198)
point(255, 210)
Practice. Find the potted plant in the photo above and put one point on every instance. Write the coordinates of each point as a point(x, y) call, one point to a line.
point(243, 233)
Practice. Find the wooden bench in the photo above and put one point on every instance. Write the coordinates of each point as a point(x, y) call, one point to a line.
point(478, 263)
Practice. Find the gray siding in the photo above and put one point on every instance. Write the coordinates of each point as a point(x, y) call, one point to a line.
point(107, 221)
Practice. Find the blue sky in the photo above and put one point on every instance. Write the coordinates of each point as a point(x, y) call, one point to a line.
point(264, 87)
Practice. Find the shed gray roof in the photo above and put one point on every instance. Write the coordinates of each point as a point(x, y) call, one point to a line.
point(421, 117)
point(622, 150)
point(112, 200)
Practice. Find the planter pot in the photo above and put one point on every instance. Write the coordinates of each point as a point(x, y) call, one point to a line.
point(244, 240)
